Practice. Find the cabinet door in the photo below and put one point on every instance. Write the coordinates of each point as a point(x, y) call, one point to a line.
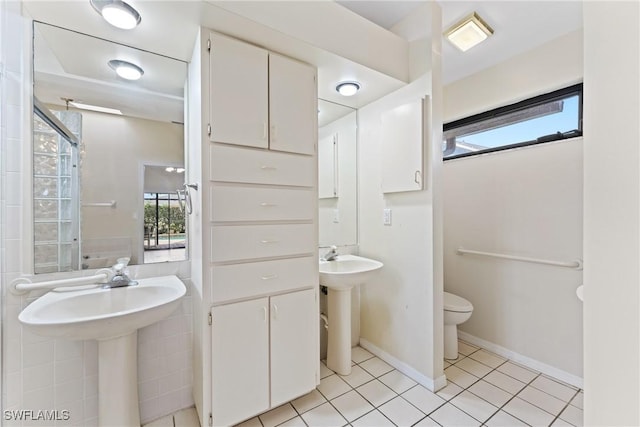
point(240, 361)
point(239, 104)
point(294, 345)
point(293, 105)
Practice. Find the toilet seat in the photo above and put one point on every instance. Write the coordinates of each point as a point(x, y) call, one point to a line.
point(456, 304)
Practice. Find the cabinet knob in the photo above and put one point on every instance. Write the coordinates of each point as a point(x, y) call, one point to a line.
point(270, 277)
point(268, 168)
point(267, 242)
point(268, 205)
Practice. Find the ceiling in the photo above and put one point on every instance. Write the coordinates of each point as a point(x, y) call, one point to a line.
point(519, 26)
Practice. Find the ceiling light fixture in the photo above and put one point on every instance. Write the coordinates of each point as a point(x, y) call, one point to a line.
point(469, 32)
point(117, 13)
point(126, 70)
point(95, 108)
point(348, 88)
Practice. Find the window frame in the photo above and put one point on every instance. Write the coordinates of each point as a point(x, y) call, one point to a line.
point(556, 95)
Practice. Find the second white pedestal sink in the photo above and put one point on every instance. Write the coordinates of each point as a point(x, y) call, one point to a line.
point(113, 317)
point(340, 276)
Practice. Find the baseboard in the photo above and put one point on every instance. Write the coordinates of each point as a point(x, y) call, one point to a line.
point(528, 362)
point(430, 383)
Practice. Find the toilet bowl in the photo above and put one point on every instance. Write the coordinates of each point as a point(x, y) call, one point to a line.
point(456, 311)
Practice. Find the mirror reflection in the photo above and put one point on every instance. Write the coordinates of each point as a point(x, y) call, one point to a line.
point(337, 174)
point(112, 194)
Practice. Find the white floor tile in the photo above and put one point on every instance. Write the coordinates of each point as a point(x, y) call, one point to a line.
point(517, 372)
point(351, 405)
point(376, 367)
point(502, 419)
point(324, 416)
point(357, 377)
point(554, 388)
point(460, 377)
point(294, 422)
point(333, 386)
point(559, 422)
point(446, 363)
point(401, 412)
point(373, 418)
point(324, 371)
point(505, 382)
point(450, 416)
point(397, 381)
point(278, 415)
point(427, 422)
point(308, 401)
point(471, 404)
point(376, 392)
point(450, 391)
point(186, 418)
point(528, 413)
point(578, 401)
point(488, 358)
point(424, 399)
point(542, 400)
point(253, 422)
point(161, 422)
point(476, 368)
point(465, 348)
point(489, 392)
point(573, 415)
point(359, 354)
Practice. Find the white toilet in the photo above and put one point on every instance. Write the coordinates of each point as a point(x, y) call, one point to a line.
point(456, 311)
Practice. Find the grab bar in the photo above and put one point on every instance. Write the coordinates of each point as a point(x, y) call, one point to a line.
point(23, 285)
point(110, 204)
point(577, 264)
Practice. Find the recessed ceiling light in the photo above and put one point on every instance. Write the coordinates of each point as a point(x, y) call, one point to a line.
point(469, 32)
point(117, 13)
point(348, 88)
point(95, 108)
point(126, 70)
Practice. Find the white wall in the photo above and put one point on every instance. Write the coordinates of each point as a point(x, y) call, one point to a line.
point(42, 373)
point(526, 202)
point(612, 213)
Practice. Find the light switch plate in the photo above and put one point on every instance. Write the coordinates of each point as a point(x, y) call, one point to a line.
point(386, 216)
point(336, 216)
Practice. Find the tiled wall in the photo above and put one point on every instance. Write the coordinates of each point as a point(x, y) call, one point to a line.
point(39, 373)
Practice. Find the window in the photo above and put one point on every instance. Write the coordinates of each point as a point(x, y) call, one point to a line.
point(550, 117)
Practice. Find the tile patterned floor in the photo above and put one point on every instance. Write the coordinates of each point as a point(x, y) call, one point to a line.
point(483, 389)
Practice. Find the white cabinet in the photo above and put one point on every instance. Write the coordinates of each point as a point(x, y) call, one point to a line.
point(291, 86)
point(240, 362)
point(239, 103)
point(261, 99)
point(244, 359)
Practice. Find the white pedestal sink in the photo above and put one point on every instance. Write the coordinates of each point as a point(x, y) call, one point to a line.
point(340, 276)
point(113, 317)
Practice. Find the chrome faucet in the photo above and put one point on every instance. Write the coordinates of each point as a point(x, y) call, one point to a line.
point(331, 255)
point(120, 277)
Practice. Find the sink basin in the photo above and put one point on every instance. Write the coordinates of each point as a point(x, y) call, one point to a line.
point(113, 317)
point(346, 271)
point(97, 313)
point(340, 276)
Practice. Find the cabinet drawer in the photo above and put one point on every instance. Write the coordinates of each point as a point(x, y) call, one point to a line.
point(235, 164)
point(242, 242)
point(229, 282)
point(238, 203)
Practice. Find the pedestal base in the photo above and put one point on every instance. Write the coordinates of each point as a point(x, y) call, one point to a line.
point(339, 334)
point(118, 382)
point(451, 342)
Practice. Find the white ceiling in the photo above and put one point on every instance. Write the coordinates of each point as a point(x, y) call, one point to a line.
point(170, 28)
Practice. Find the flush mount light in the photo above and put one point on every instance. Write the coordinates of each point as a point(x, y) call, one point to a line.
point(179, 170)
point(348, 88)
point(126, 70)
point(469, 32)
point(95, 108)
point(117, 13)
point(170, 169)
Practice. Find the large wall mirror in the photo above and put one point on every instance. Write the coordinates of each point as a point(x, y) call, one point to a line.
point(337, 174)
point(108, 154)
